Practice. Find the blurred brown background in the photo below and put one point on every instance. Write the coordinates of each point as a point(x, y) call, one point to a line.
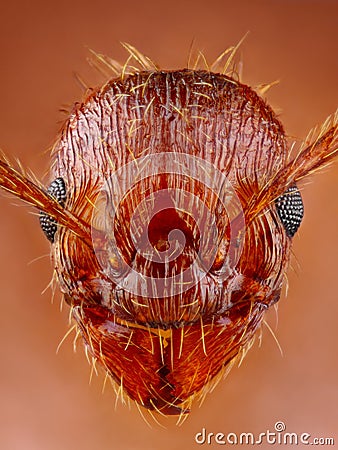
point(46, 402)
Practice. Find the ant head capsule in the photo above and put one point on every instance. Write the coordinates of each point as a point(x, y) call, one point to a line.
point(164, 165)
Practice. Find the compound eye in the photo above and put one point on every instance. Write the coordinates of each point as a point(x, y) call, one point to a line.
point(56, 189)
point(290, 210)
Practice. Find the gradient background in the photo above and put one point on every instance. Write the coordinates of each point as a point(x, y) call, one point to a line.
point(46, 402)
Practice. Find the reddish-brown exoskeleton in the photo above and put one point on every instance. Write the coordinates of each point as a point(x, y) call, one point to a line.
point(171, 218)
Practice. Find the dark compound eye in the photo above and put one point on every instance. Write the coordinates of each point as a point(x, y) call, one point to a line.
point(290, 210)
point(56, 189)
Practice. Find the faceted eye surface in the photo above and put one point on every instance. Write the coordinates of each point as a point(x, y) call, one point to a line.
point(290, 210)
point(56, 189)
